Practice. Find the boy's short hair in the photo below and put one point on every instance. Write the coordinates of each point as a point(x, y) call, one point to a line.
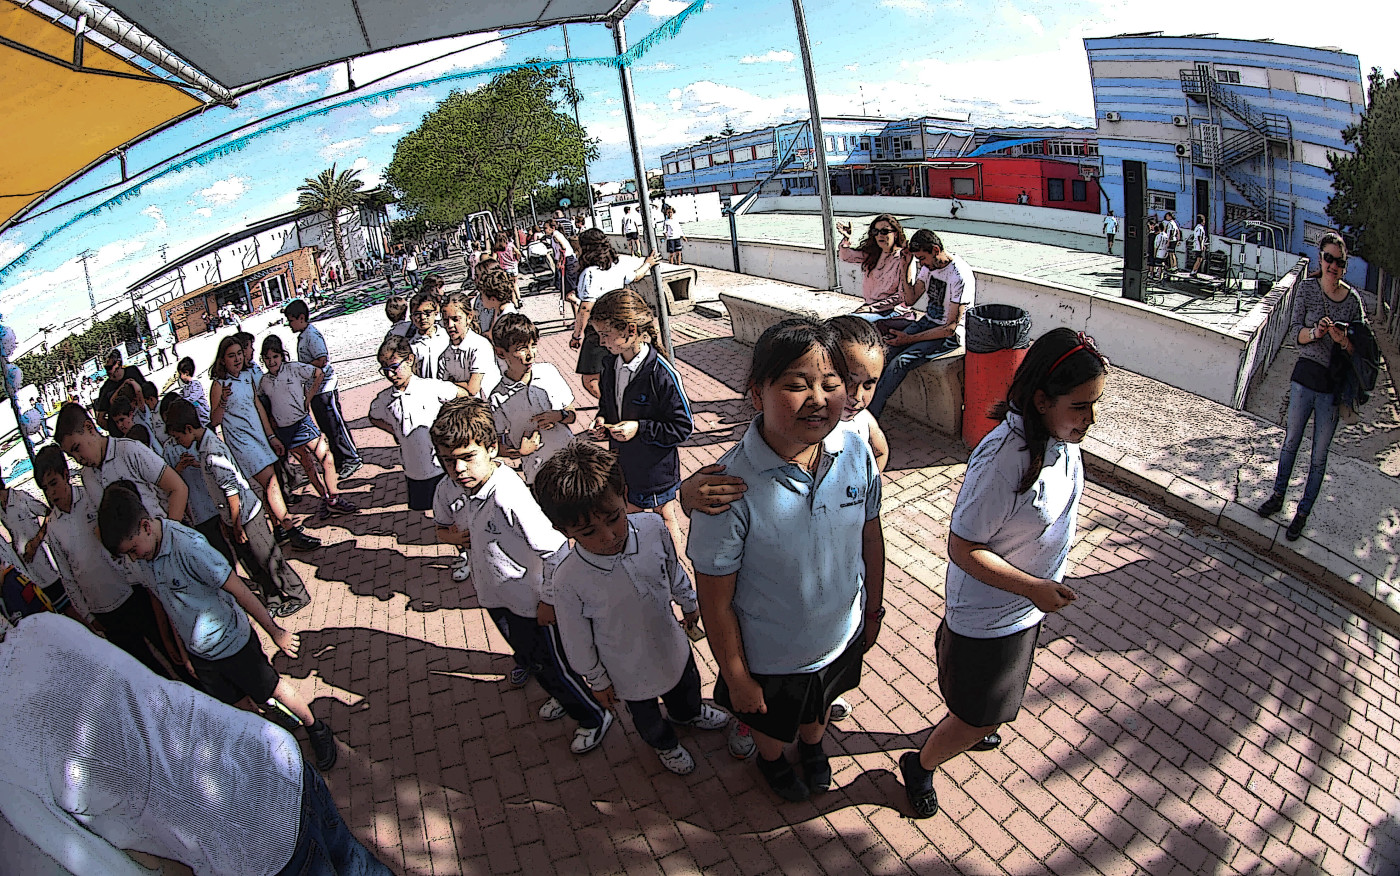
point(396, 308)
point(71, 418)
point(395, 345)
point(464, 421)
point(514, 330)
point(574, 481)
point(497, 285)
point(186, 366)
point(181, 415)
point(166, 401)
point(119, 515)
point(126, 391)
point(297, 310)
point(148, 389)
point(122, 406)
point(49, 460)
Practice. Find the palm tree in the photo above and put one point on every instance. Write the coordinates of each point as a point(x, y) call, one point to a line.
point(331, 192)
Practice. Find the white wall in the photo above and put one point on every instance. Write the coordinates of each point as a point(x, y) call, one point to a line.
point(977, 211)
point(689, 208)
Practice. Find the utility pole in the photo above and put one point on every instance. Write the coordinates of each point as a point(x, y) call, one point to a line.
point(588, 186)
point(83, 257)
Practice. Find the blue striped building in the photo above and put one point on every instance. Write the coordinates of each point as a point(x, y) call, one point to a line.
point(1238, 130)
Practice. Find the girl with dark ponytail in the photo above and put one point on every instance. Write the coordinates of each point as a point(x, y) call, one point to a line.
point(1008, 543)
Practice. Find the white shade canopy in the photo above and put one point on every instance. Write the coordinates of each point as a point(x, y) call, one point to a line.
point(240, 42)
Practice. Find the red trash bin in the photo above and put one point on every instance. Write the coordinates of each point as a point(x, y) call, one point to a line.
point(997, 337)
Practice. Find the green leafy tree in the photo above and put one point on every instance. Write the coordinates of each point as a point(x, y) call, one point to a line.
point(728, 129)
point(330, 192)
point(1366, 182)
point(491, 148)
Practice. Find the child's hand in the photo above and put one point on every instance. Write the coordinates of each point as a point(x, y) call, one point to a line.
point(288, 641)
point(746, 695)
point(185, 462)
point(599, 430)
point(529, 443)
point(624, 431)
point(607, 697)
point(710, 491)
point(548, 419)
point(544, 613)
point(1050, 596)
point(690, 619)
point(276, 444)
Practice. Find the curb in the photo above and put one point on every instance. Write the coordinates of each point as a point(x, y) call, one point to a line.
point(1373, 598)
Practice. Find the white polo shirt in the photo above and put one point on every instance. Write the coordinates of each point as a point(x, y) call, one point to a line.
point(132, 461)
point(1032, 530)
point(223, 479)
point(427, 350)
point(96, 581)
point(188, 577)
point(614, 613)
point(311, 345)
point(512, 540)
point(412, 413)
point(21, 519)
point(515, 404)
point(473, 356)
point(286, 392)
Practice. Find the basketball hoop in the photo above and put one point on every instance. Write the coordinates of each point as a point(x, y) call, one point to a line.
point(1088, 171)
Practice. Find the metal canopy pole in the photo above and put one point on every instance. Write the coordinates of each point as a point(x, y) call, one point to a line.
point(663, 307)
point(818, 148)
point(588, 186)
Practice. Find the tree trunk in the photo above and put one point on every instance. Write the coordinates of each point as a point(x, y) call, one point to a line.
point(339, 246)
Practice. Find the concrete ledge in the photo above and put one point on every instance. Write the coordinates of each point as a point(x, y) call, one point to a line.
point(681, 285)
point(1245, 525)
point(931, 394)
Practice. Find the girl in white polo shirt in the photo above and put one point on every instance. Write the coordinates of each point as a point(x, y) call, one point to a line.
point(406, 410)
point(1009, 546)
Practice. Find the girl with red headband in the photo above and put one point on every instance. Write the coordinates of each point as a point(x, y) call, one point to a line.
point(1008, 543)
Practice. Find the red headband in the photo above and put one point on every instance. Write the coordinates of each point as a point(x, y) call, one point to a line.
point(1085, 343)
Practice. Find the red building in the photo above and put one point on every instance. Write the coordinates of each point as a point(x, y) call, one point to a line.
point(1046, 183)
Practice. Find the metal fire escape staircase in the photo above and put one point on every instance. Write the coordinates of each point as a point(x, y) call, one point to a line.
point(1227, 155)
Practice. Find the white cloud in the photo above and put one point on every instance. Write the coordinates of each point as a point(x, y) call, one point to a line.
point(554, 48)
point(386, 129)
point(371, 178)
point(225, 191)
point(1014, 17)
point(906, 5)
point(658, 67)
point(853, 67)
point(772, 56)
point(673, 94)
point(9, 251)
point(665, 8)
point(205, 212)
point(384, 109)
point(155, 213)
point(331, 150)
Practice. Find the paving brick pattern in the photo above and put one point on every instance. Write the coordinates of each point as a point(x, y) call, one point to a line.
point(1196, 711)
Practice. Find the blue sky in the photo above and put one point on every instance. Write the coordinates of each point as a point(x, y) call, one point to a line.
point(1015, 62)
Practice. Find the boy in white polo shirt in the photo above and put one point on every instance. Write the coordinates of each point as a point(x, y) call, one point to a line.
point(612, 598)
point(484, 507)
point(24, 519)
point(406, 410)
point(209, 606)
point(533, 405)
point(106, 460)
point(244, 522)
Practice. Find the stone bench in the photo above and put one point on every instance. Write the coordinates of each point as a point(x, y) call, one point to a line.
point(931, 394)
point(681, 282)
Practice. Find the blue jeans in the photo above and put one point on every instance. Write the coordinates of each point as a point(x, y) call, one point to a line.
point(906, 359)
point(325, 846)
point(1322, 407)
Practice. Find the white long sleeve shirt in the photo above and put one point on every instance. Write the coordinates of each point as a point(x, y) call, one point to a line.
point(96, 581)
point(614, 613)
point(98, 754)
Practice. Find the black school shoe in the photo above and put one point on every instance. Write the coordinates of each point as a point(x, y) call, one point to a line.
point(1272, 505)
point(1295, 529)
point(918, 785)
point(987, 743)
point(816, 766)
point(783, 779)
point(323, 745)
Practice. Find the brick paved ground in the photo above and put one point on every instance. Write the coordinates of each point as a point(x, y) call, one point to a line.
point(1196, 711)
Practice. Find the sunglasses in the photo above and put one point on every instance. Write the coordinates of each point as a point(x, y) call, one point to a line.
point(883, 230)
point(391, 370)
point(1334, 260)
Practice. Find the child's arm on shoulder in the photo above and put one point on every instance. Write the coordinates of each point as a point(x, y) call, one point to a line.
point(289, 642)
point(711, 491)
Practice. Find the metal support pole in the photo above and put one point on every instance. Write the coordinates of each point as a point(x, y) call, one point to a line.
point(587, 185)
point(734, 238)
point(818, 148)
point(663, 306)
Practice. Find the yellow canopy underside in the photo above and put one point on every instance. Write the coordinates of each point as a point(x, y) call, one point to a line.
point(56, 121)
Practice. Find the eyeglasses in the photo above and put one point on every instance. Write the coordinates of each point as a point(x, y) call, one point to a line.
point(1334, 260)
point(883, 230)
point(391, 370)
point(424, 314)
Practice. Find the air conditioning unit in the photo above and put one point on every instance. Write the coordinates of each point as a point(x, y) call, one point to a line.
point(1181, 149)
point(1112, 117)
point(1179, 121)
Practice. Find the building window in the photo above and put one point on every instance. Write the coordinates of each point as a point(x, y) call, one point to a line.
point(830, 145)
point(964, 186)
point(865, 144)
point(687, 164)
point(702, 162)
point(1159, 202)
point(720, 157)
point(1229, 77)
point(1079, 190)
point(1054, 190)
point(763, 150)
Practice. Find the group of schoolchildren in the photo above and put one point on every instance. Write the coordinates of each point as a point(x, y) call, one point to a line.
point(573, 550)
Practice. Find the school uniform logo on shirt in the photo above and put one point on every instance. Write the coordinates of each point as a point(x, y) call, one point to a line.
point(854, 495)
point(492, 528)
point(641, 399)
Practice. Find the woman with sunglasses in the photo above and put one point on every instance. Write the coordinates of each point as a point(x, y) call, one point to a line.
point(1324, 307)
point(884, 264)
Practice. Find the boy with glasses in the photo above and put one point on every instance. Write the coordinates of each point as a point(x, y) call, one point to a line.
point(430, 340)
point(406, 410)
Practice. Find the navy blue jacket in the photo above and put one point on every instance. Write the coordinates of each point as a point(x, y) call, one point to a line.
point(654, 398)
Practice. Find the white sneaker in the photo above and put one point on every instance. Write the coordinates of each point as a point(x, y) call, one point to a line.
point(552, 710)
point(710, 718)
point(677, 760)
point(586, 739)
point(840, 709)
point(462, 569)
